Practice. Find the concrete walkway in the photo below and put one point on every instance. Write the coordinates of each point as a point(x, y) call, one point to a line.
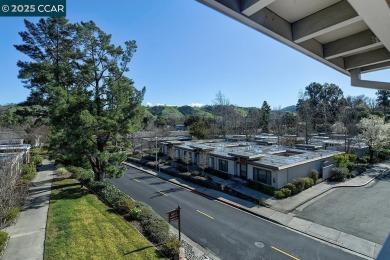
point(27, 236)
point(355, 244)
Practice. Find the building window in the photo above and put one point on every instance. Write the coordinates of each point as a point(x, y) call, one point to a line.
point(212, 162)
point(177, 153)
point(223, 165)
point(262, 176)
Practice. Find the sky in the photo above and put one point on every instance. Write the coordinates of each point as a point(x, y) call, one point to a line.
point(186, 53)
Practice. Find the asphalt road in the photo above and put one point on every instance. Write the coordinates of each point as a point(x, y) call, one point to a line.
point(227, 232)
point(362, 211)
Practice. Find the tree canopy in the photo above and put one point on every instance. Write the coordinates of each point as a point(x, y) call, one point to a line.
point(79, 74)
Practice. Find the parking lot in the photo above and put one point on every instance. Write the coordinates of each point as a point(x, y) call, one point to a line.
point(363, 211)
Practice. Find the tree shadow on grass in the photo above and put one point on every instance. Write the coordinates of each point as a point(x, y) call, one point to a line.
point(138, 250)
point(68, 191)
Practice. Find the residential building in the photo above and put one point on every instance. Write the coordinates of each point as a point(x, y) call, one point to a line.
point(271, 165)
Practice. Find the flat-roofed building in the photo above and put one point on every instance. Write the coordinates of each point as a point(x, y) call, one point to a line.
point(271, 165)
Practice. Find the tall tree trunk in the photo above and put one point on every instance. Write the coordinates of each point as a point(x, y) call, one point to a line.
point(371, 154)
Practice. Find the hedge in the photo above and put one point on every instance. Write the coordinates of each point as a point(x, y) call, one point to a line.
point(80, 173)
point(154, 226)
point(171, 246)
point(29, 171)
point(291, 187)
point(3, 240)
point(279, 194)
point(339, 173)
point(308, 182)
point(314, 175)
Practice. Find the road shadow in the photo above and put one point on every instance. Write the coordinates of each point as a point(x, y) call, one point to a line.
point(144, 177)
point(157, 183)
point(164, 192)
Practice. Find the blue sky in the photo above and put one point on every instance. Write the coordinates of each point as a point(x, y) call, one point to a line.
point(186, 53)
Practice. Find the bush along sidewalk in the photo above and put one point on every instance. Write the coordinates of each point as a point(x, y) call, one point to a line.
point(3, 241)
point(149, 223)
point(296, 186)
point(194, 177)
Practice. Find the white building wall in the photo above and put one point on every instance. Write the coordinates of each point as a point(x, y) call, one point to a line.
point(231, 167)
point(281, 178)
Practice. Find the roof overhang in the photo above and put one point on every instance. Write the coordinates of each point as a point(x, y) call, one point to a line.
point(351, 36)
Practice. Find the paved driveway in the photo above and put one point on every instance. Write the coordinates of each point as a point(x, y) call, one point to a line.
point(363, 212)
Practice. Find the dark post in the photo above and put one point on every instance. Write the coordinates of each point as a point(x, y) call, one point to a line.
point(178, 209)
point(175, 215)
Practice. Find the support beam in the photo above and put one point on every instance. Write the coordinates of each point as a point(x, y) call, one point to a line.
point(250, 7)
point(356, 81)
point(376, 14)
point(314, 47)
point(380, 66)
point(329, 19)
point(363, 41)
point(268, 19)
point(367, 59)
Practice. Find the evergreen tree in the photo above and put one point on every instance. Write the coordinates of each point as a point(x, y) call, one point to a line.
point(79, 74)
point(265, 113)
point(383, 100)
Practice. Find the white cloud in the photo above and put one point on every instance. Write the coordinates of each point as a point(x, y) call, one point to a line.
point(148, 104)
point(196, 105)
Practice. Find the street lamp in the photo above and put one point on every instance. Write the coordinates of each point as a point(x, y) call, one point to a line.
point(156, 152)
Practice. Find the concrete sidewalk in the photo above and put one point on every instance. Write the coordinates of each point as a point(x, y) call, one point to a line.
point(332, 236)
point(27, 236)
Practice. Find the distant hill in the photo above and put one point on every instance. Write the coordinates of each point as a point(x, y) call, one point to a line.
point(178, 112)
point(292, 108)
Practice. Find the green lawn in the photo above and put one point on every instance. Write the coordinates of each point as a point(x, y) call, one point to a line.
point(80, 226)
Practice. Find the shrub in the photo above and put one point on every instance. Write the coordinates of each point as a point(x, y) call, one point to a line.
point(112, 194)
point(364, 159)
point(62, 171)
point(342, 160)
point(156, 228)
point(339, 173)
point(194, 173)
point(314, 175)
point(80, 173)
point(279, 194)
point(308, 182)
point(37, 160)
point(291, 187)
point(135, 213)
point(123, 206)
point(34, 151)
point(12, 214)
point(286, 192)
point(171, 246)
point(29, 171)
point(299, 184)
point(3, 240)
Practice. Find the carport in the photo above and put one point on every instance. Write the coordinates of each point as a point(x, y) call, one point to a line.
point(351, 36)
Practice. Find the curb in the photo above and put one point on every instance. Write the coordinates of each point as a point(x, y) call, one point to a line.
point(334, 187)
point(256, 214)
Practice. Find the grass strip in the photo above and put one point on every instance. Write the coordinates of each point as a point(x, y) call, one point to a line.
point(80, 226)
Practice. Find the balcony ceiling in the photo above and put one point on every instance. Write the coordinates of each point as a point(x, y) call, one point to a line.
point(351, 36)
